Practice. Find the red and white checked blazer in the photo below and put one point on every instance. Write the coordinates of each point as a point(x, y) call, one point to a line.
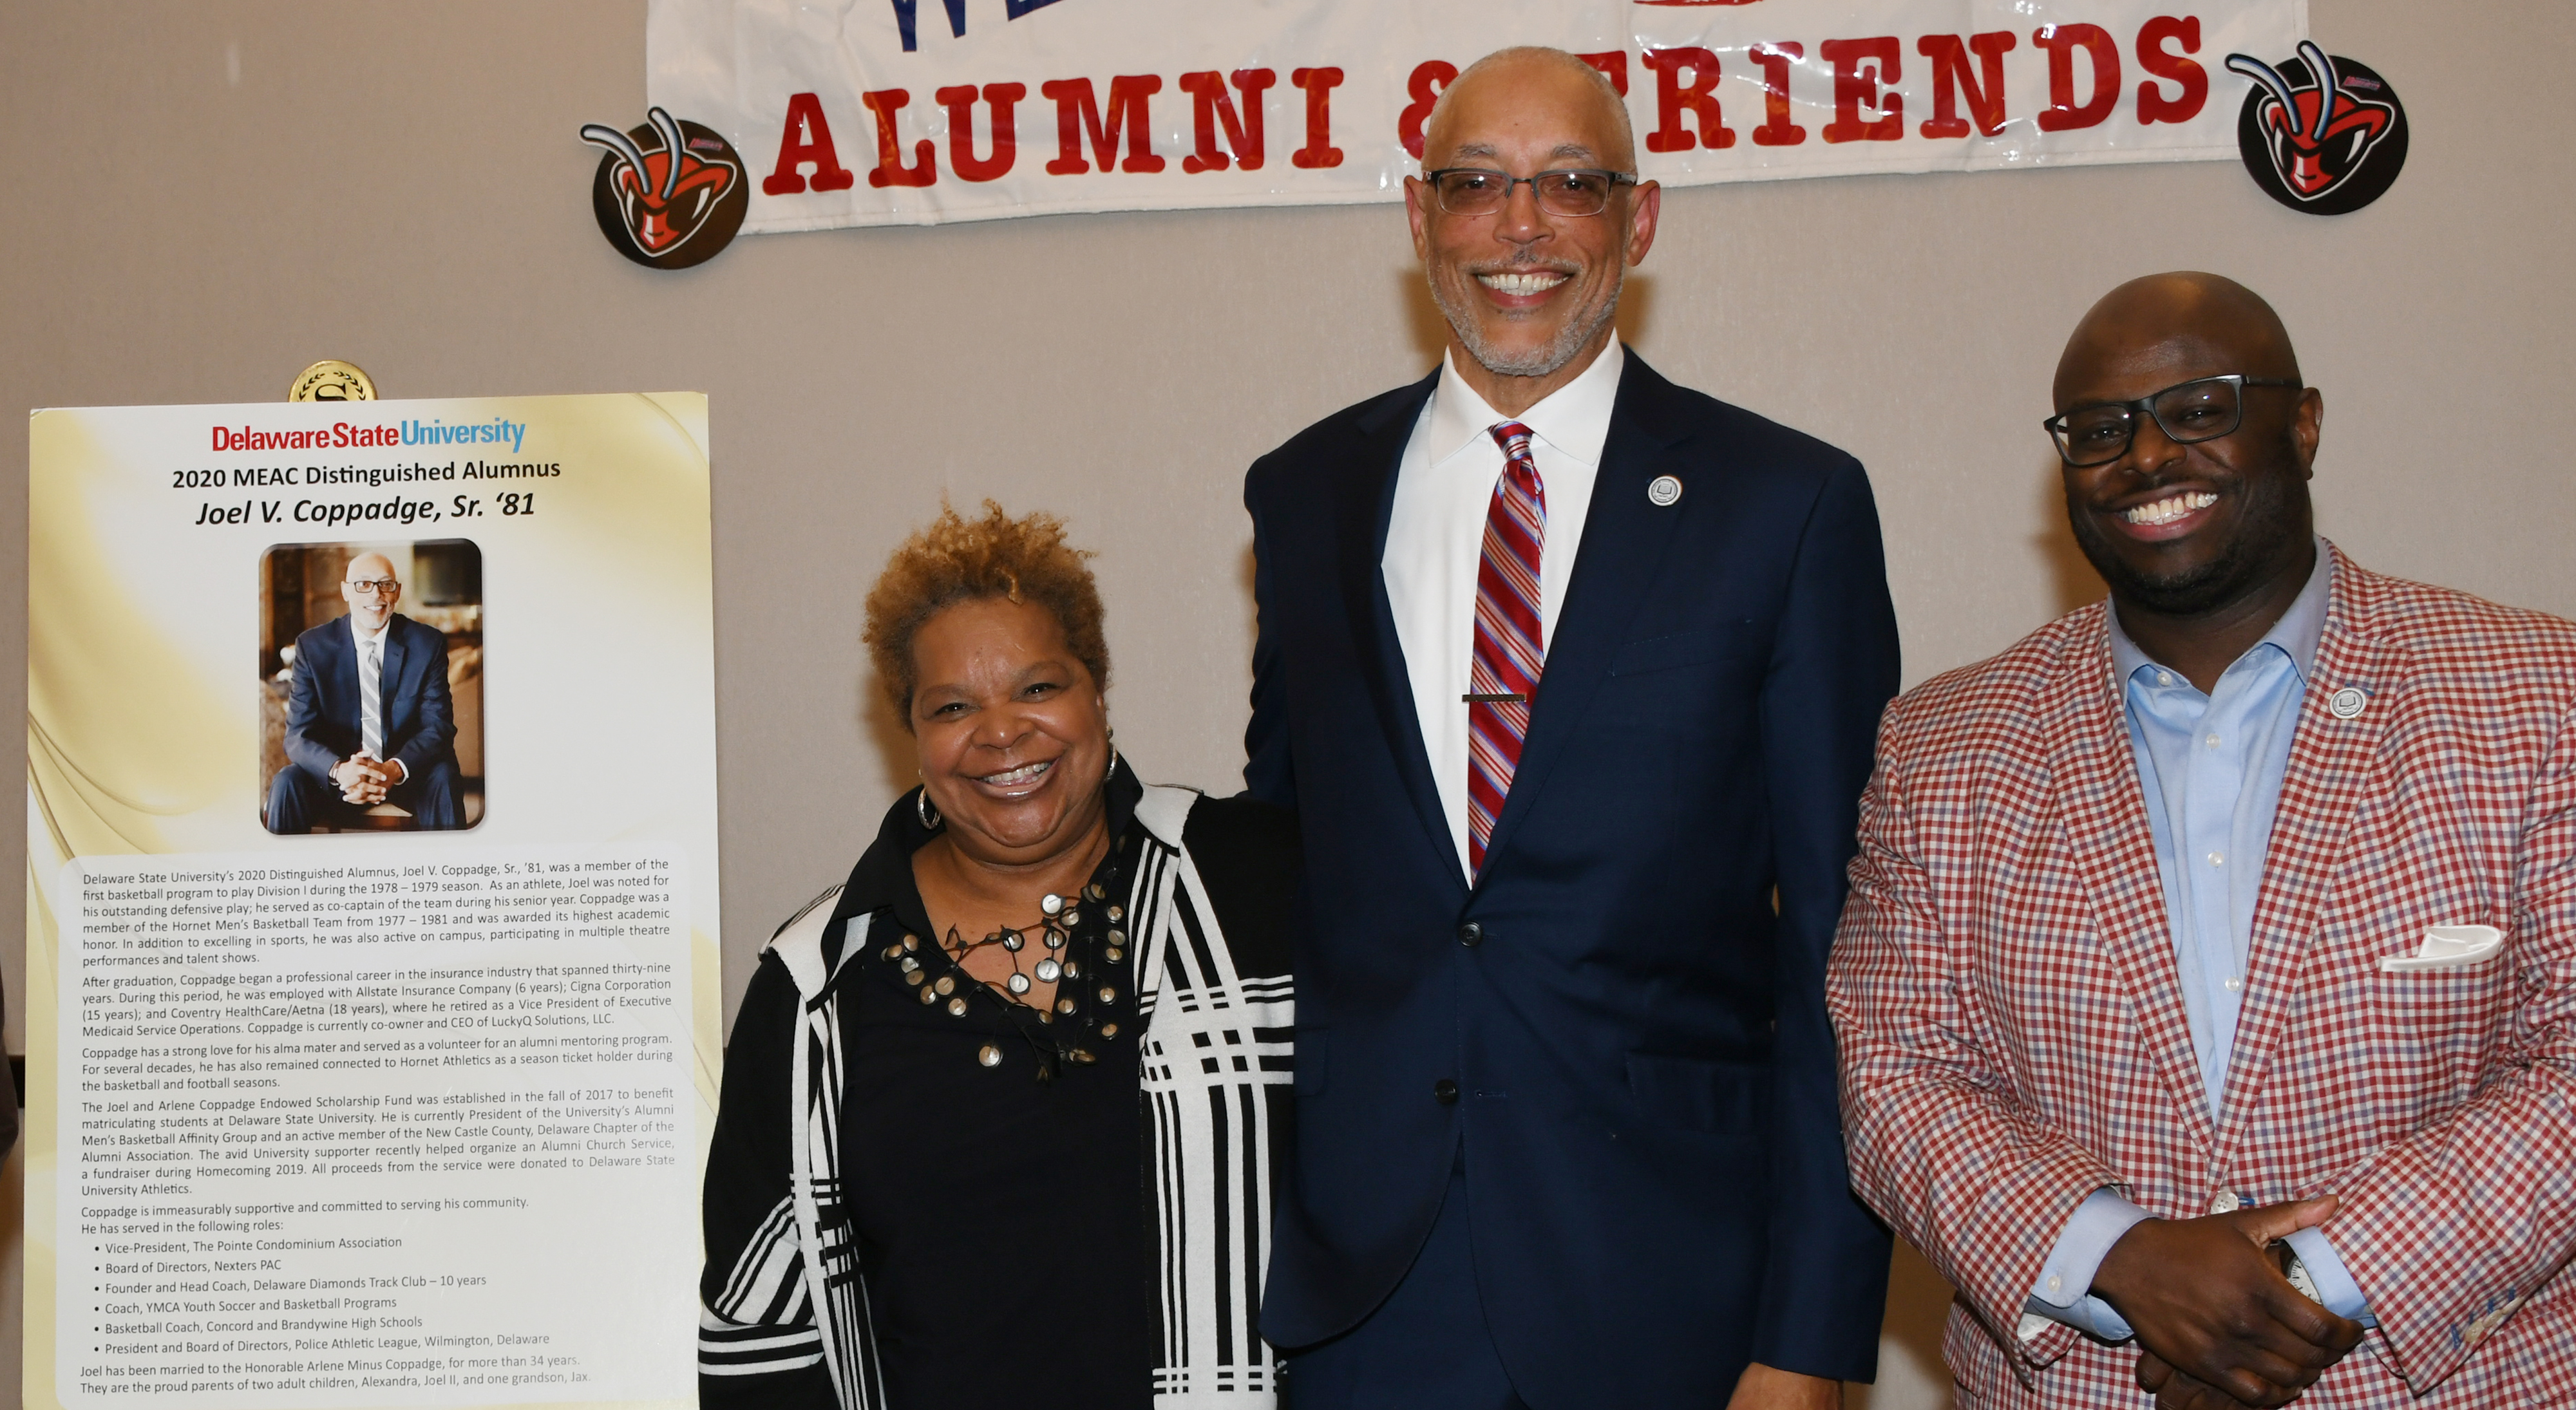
point(2013, 1036)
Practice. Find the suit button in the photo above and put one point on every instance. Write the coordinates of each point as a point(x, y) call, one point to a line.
point(1445, 1092)
point(1471, 935)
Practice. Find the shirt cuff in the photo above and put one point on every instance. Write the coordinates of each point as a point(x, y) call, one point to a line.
point(2064, 1290)
point(2334, 1284)
point(2090, 1315)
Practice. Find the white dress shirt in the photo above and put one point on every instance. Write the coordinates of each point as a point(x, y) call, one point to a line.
point(1435, 542)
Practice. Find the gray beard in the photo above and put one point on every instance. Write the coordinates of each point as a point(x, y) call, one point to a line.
point(1540, 362)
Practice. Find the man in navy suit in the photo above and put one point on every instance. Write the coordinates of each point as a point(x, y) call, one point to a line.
point(368, 719)
point(1571, 675)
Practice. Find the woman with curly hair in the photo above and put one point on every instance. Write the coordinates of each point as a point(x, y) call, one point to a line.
point(1001, 1112)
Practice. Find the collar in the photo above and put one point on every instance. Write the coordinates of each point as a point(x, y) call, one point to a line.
point(363, 637)
point(2296, 635)
point(883, 878)
point(1573, 420)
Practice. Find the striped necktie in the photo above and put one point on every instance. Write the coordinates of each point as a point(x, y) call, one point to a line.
point(1508, 654)
point(371, 702)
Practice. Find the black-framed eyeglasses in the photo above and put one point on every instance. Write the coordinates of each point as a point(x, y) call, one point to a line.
point(1476, 190)
point(373, 587)
point(2202, 409)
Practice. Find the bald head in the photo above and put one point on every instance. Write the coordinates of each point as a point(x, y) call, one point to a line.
point(2186, 315)
point(370, 589)
point(1537, 79)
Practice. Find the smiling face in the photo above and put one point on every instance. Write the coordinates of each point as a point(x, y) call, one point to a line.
point(1012, 732)
point(368, 606)
point(2186, 530)
point(1529, 294)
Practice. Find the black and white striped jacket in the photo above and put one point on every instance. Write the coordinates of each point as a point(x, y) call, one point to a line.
point(1213, 1109)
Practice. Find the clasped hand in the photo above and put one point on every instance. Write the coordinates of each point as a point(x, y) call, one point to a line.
point(364, 779)
point(2217, 1324)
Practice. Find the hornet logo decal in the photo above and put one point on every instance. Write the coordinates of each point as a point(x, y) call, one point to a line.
point(669, 194)
point(2319, 134)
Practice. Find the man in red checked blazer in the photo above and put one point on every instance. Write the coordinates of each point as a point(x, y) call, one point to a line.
point(2207, 990)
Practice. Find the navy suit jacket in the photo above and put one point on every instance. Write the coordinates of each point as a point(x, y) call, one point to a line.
point(1647, 1101)
point(322, 697)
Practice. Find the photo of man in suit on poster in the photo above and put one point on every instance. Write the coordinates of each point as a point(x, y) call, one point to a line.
point(363, 709)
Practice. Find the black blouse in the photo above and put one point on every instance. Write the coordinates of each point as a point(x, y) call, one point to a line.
point(1005, 1223)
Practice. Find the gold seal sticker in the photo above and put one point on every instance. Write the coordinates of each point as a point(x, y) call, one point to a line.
point(332, 380)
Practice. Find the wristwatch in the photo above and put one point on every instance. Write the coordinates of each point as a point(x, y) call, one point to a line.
point(2296, 1271)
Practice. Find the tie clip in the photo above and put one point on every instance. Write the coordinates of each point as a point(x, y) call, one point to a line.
point(1511, 697)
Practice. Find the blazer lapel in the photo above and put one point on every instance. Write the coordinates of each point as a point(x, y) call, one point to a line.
point(1365, 502)
point(2320, 793)
point(1624, 539)
point(2105, 816)
point(343, 665)
point(389, 677)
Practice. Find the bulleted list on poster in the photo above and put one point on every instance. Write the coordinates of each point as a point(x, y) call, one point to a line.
point(362, 1129)
point(373, 902)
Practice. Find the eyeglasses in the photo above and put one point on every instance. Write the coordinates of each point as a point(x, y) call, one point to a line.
point(1471, 190)
point(2203, 409)
point(374, 587)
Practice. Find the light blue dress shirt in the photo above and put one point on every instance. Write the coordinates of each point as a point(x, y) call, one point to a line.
point(2210, 768)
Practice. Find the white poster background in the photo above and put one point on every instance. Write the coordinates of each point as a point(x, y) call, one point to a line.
point(406, 1118)
point(2130, 80)
point(436, 1134)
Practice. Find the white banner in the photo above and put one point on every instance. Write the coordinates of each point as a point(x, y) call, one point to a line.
point(894, 112)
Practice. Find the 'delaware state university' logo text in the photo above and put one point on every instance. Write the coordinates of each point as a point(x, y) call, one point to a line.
point(669, 194)
point(2321, 133)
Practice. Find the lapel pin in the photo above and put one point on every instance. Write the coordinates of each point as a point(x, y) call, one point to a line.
point(1664, 491)
point(2347, 702)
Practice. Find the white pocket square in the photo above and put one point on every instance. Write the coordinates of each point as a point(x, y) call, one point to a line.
point(2448, 947)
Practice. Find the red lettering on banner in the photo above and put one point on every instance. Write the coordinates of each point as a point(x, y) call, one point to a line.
point(1424, 87)
point(2153, 105)
point(1210, 104)
point(960, 103)
point(1857, 87)
point(1319, 150)
point(890, 170)
point(2061, 41)
point(808, 138)
point(1951, 78)
point(1967, 93)
point(1613, 66)
point(1672, 97)
point(1776, 129)
point(1130, 111)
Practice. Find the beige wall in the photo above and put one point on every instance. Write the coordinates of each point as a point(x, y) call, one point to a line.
point(208, 196)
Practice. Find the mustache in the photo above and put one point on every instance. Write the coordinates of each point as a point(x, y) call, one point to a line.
point(1523, 262)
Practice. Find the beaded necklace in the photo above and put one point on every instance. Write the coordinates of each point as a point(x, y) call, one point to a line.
point(1076, 936)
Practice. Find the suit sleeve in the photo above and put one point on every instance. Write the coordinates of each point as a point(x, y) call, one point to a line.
point(1267, 772)
point(758, 1345)
point(1939, 1143)
point(303, 710)
point(2448, 1232)
point(1832, 671)
point(436, 734)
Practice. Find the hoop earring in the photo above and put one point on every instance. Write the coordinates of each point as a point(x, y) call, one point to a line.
point(930, 819)
point(1113, 758)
